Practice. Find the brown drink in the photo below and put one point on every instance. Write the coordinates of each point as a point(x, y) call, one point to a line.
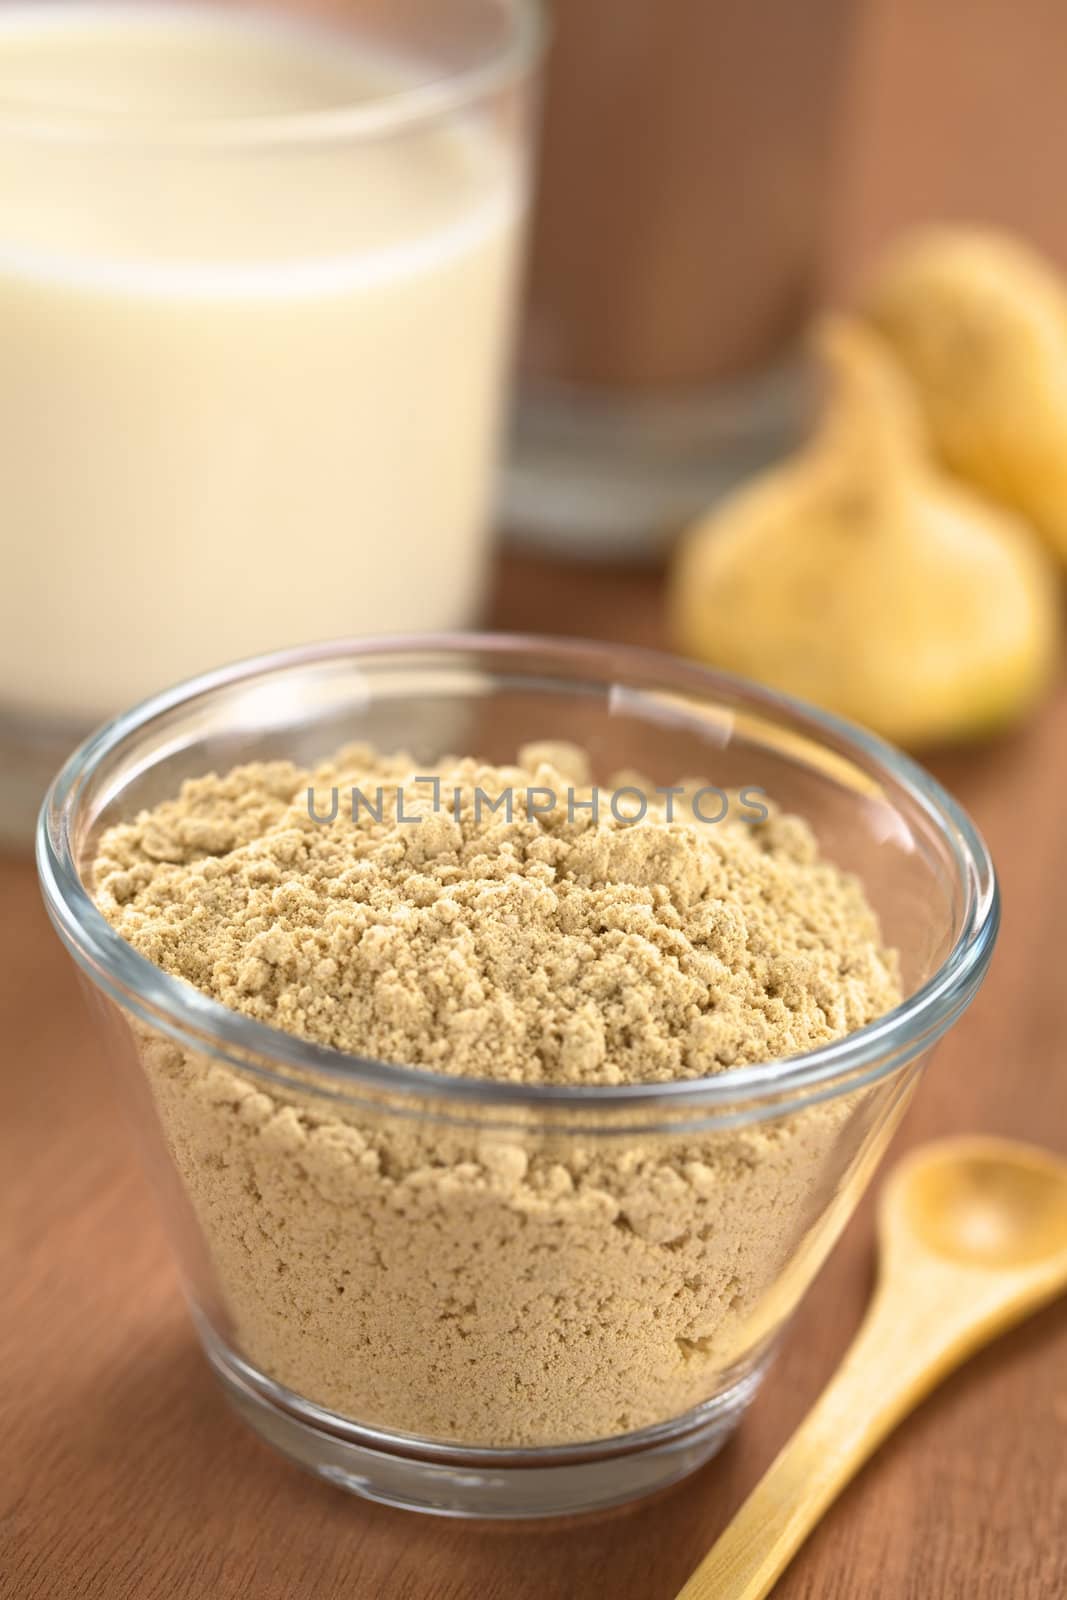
point(683, 182)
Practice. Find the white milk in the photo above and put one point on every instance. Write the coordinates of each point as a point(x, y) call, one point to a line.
point(249, 373)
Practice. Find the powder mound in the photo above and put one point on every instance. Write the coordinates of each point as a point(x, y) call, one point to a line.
point(421, 926)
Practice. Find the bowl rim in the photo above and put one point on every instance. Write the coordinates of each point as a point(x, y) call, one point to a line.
point(177, 1008)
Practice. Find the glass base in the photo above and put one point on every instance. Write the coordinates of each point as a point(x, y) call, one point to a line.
point(597, 473)
point(418, 1475)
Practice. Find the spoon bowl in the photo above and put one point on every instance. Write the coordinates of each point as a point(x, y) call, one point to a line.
point(984, 1203)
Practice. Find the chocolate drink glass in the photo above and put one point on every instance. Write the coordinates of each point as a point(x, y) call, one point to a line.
point(683, 176)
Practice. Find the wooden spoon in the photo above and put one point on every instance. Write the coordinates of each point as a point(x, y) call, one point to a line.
point(972, 1238)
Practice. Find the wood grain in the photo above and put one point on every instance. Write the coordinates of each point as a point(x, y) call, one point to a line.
point(123, 1476)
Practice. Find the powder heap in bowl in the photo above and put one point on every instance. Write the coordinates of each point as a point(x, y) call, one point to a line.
point(534, 1286)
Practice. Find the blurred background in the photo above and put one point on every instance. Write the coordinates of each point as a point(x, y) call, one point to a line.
point(324, 317)
point(713, 182)
point(951, 113)
point(710, 176)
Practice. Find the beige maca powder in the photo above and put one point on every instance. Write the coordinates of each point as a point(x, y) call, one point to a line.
point(507, 1288)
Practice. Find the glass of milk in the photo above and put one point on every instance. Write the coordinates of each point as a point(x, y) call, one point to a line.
point(256, 288)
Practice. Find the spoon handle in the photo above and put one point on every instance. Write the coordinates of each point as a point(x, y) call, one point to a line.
point(892, 1363)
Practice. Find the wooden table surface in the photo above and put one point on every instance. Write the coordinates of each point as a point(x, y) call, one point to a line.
point(123, 1475)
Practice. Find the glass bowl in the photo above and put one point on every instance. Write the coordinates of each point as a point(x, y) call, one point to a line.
point(488, 1298)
